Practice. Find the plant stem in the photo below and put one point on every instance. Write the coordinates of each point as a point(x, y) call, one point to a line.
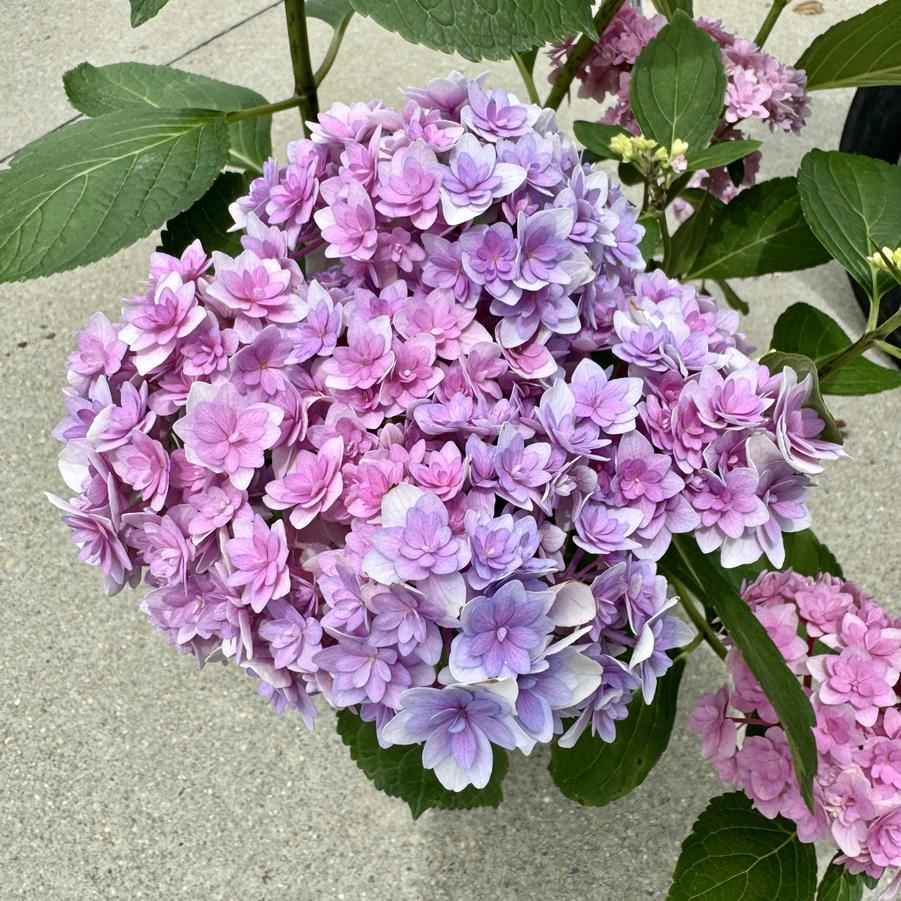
point(698, 620)
point(527, 79)
point(770, 21)
point(304, 80)
point(691, 647)
point(332, 51)
point(251, 112)
point(580, 52)
point(867, 340)
point(889, 349)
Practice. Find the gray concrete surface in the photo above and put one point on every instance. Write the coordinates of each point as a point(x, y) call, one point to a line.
point(126, 774)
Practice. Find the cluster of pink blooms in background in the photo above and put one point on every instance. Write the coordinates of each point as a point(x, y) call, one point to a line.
point(846, 650)
point(418, 447)
point(758, 86)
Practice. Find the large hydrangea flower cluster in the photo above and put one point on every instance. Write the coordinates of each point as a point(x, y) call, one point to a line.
point(846, 650)
point(758, 86)
point(418, 446)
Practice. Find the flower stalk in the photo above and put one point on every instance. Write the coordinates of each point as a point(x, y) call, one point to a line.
point(771, 18)
point(870, 338)
point(304, 79)
point(580, 52)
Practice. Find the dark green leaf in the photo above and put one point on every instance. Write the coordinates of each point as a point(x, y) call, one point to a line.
point(650, 243)
point(98, 90)
point(678, 85)
point(596, 138)
point(332, 12)
point(144, 10)
point(805, 330)
point(695, 196)
point(862, 50)
point(734, 852)
point(208, 219)
point(398, 771)
point(721, 154)
point(686, 243)
point(731, 298)
point(780, 685)
point(596, 772)
point(479, 30)
point(86, 191)
point(628, 174)
point(668, 8)
point(807, 555)
point(840, 885)
point(777, 360)
point(853, 205)
point(762, 230)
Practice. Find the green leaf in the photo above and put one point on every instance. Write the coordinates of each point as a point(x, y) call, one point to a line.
point(208, 219)
point(398, 771)
point(144, 10)
point(678, 85)
point(686, 243)
point(695, 196)
point(734, 852)
point(629, 175)
point(669, 8)
point(780, 685)
point(332, 12)
point(86, 191)
point(98, 90)
point(721, 154)
point(762, 230)
point(596, 138)
point(732, 298)
point(840, 885)
point(777, 360)
point(596, 772)
point(480, 29)
point(862, 50)
point(853, 205)
point(805, 330)
point(651, 241)
point(807, 555)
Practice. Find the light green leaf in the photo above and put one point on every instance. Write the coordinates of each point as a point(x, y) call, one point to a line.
point(596, 137)
point(862, 50)
point(480, 29)
point(144, 10)
point(596, 772)
point(853, 205)
point(777, 360)
point(721, 154)
point(86, 191)
point(332, 12)
point(734, 852)
point(780, 685)
point(398, 771)
point(208, 219)
point(762, 230)
point(805, 330)
point(678, 85)
point(98, 90)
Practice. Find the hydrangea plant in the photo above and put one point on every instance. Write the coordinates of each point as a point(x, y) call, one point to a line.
point(432, 418)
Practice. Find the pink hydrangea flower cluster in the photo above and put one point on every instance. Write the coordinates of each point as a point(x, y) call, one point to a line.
point(846, 650)
point(758, 86)
point(419, 445)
